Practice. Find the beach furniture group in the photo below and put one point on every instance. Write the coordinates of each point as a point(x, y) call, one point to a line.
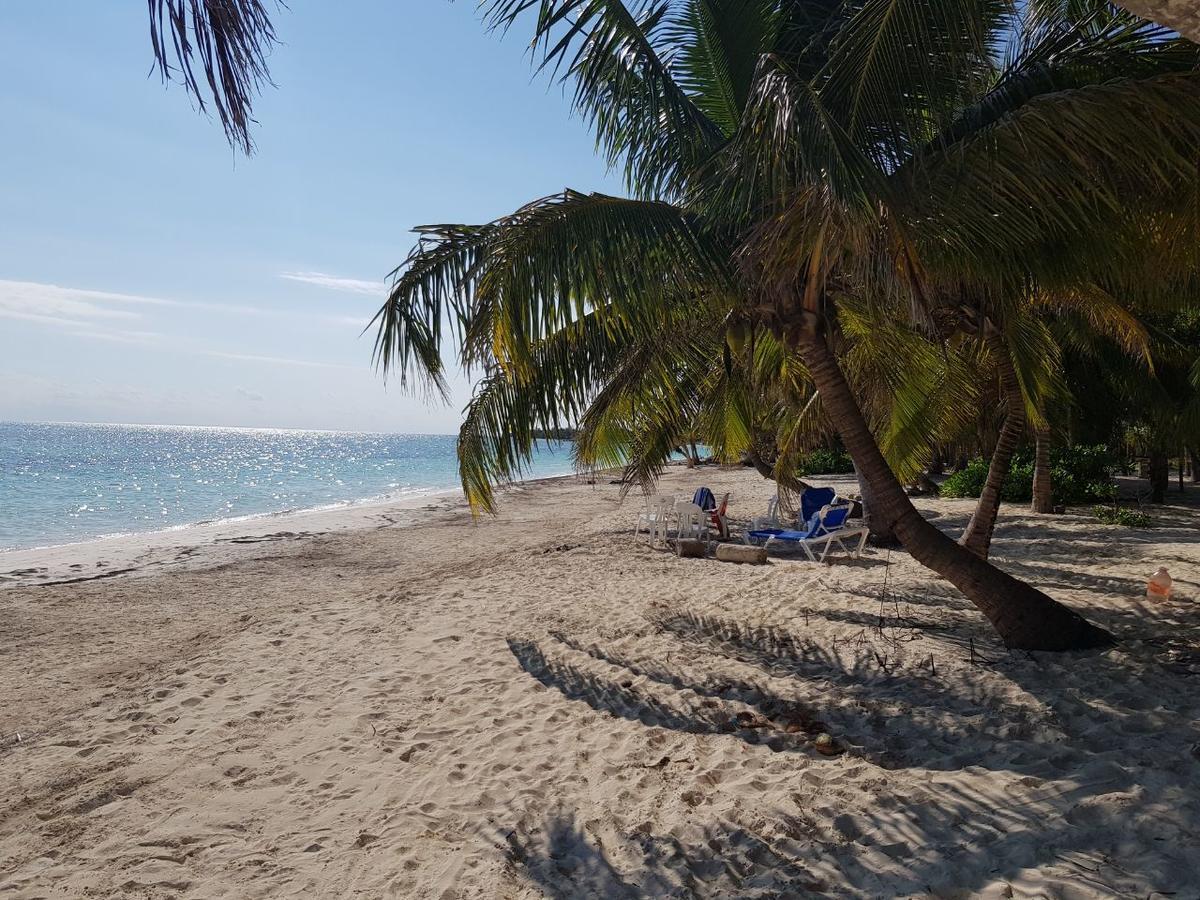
point(697, 518)
point(821, 524)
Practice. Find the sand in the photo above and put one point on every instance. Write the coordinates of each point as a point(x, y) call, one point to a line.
point(406, 704)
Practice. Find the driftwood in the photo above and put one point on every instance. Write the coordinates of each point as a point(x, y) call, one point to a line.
point(691, 547)
point(742, 553)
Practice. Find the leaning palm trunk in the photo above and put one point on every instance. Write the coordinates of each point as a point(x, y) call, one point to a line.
point(767, 471)
point(761, 466)
point(881, 534)
point(978, 536)
point(1024, 617)
point(1043, 488)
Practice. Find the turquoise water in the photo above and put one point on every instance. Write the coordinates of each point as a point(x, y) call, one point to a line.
point(61, 483)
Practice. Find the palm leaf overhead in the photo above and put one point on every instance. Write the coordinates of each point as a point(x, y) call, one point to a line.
point(720, 43)
point(897, 68)
point(619, 61)
point(1100, 314)
point(1053, 183)
point(507, 410)
point(918, 392)
point(218, 50)
point(502, 287)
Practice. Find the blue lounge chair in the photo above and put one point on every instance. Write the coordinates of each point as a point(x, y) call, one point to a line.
point(826, 528)
point(812, 500)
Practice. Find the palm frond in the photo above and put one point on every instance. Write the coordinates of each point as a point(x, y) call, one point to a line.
point(1052, 189)
point(1036, 358)
point(502, 287)
point(498, 437)
point(643, 119)
point(651, 401)
point(555, 260)
point(897, 67)
point(1103, 314)
point(788, 143)
point(435, 287)
point(720, 42)
point(1066, 50)
point(225, 43)
point(917, 394)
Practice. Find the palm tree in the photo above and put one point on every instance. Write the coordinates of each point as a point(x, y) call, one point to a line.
point(1024, 334)
point(1155, 409)
point(1102, 331)
point(1043, 484)
point(782, 156)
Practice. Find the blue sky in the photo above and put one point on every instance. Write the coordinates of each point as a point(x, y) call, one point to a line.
point(150, 274)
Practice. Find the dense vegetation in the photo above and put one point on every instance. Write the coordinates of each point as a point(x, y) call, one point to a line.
point(1079, 475)
point(825, 461)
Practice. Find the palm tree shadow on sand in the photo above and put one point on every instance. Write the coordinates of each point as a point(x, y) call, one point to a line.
point(1100, 789)
point(565, 861)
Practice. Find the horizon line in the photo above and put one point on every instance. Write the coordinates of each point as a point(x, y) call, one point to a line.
point(222, 427)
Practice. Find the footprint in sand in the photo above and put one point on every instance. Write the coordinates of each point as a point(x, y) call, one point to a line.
point(408, 754)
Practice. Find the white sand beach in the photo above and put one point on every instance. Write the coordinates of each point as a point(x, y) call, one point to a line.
point(412, 705)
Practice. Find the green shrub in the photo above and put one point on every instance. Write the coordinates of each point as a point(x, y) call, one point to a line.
point(1078, 475)
point(825, 462)
point(967, 481)
point(1123, 515)
point(1083, 474)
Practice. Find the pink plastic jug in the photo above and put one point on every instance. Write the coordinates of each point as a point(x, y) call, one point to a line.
point(1159, 585)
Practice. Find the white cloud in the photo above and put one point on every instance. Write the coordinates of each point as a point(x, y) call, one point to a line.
point(279, 360)
point(120, 337)
point(348, 285)
point(30, 299)
point(51, 299)
point(78, 312)
point(120, 318)
point(252, 396)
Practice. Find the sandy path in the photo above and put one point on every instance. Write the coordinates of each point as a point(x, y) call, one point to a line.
point(538, 707)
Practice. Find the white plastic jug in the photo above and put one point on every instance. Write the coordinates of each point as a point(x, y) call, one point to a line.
point(1159, 585)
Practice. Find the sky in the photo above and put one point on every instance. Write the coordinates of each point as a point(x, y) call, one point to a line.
point(150, 274)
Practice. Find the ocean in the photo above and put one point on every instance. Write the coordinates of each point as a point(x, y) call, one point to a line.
point(62, 483)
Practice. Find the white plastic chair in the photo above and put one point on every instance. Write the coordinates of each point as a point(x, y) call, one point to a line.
point(691, 520)
point(770, 520)
point(655, 518)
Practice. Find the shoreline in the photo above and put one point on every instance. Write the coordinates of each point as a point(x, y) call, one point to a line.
point(335, 506)
point(127, 553)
